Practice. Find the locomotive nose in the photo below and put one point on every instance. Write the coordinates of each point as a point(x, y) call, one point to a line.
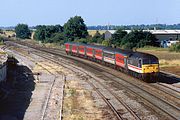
point(153, 68)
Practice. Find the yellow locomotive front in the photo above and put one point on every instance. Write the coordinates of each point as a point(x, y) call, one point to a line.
point(150, 68)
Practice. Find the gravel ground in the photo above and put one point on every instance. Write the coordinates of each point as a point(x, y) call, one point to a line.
point(81, 101)
point(34, 107)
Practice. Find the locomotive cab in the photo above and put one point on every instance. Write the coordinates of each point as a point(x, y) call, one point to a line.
point(150, 68)
point(144, 66)
point(150, 65)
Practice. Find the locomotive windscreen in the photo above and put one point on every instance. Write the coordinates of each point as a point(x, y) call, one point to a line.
point(150, 61)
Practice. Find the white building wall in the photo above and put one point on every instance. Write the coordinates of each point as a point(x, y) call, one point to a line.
point(167, 37)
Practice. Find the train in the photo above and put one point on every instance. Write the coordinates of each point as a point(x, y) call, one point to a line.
point(137, 64)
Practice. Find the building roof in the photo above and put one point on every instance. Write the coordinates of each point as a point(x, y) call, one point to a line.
point(93, 32)
point(164, 31)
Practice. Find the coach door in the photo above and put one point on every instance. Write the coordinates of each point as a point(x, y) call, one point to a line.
point(126, 62)
point(70, 48)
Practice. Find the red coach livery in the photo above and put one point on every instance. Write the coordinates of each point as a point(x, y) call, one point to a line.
point(141, 65)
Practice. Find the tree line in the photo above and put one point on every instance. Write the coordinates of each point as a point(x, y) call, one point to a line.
point(137, 27)
point(76, 30)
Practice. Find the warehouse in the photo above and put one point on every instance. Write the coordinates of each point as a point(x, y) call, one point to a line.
point(166, 34)
point(161, 35)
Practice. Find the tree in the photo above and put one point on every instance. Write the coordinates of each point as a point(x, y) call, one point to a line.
point(57, 38)
point(47, 33)
point(58, 28)
point(150, 39)
point(138, 39)
point(75, 28)
point(97, 38)
point(117, 37)
point(40, 33)
point(22, 31)
point(49, 30)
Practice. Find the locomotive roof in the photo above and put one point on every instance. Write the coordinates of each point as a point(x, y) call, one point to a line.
point(143, 55)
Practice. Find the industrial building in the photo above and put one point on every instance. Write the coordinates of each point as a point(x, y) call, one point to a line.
point(171, 36)
point(166, 34)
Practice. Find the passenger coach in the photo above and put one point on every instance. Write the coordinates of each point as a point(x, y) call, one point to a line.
point(137, 64)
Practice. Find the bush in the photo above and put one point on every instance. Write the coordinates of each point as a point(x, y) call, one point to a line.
point(22, 31)
point(175, 47)
point(56, 38)
point(106, 42)
point(82, 40)
point(1, 31)
point(128, 45)
point(1, 40)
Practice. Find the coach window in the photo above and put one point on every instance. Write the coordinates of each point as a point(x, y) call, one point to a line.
point(140, 63)
point(105, 54)
point(113, 56)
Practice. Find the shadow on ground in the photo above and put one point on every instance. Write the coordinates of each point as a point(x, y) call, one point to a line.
point(20, 85)
point(168, 79)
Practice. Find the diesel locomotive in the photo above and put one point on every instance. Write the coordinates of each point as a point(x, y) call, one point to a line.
point(140, 65)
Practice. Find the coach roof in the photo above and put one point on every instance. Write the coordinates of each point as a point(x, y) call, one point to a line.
point(95, 46)
point(124, 52)
point(74, 43)
point(109, 50)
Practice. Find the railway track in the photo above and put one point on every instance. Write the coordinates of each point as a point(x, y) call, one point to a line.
point(50, 92)
point(167, 89)
point(51, 87)
point(167, 104)
point(164, 76)
point(106, 100)
point(173, 111)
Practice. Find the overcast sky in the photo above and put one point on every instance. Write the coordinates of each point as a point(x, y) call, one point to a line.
point(94, 12)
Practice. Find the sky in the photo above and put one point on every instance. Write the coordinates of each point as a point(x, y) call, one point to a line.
point(94, 12)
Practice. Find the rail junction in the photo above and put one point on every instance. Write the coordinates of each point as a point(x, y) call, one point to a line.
point(122, 96)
